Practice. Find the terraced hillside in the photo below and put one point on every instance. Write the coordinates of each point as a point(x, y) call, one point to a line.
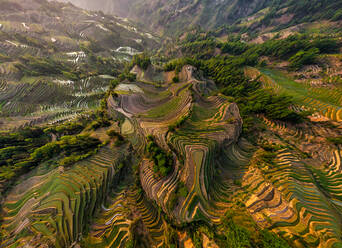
point(287, 183)
point(185, 162)
point(59, 64)
point(322, 99)
point(112, 137)
point(287, 195)
point(57, 204)
point(295, 196)
point(194, 149)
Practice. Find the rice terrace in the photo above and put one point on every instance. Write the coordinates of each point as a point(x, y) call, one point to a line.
point(174, 124)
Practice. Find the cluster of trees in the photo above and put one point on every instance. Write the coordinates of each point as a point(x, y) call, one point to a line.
point(234, 47)
point(303, 49)
point(100, 117)
point(232, 233)
point(181, 191)
point(308, 11)
point(205, 47)
point(337, 16)
point(274, 106)
point(127, 76)
point(252, 99)
point(67, 128)
point(177, 64)
point(163, 161)
point(302, 58)
point(23, 150)
point(70, 148)
point(235, 235)
point(117, 137)
point(194, 34)
point(142, 60)
point(113, 84)
point(175, 79)
point(299, 49)
point(15, 147)
point(103, 121)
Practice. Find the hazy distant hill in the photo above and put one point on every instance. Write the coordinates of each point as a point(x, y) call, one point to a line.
point(175, 15)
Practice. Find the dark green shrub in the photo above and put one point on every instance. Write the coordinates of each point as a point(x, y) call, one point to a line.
point(175, 79)
point(336, 141)
point(163, 162)
point(234, 48)
point(271, 240)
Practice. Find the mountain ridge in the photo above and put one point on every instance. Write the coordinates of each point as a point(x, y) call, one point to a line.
point(175, 16)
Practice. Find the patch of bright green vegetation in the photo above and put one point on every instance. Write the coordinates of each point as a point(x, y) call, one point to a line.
point(200, 113)
point(159, 95)
point(208, 46)
point(15, 149)
point(301, 91)
point(177, 64)
point(164, 109)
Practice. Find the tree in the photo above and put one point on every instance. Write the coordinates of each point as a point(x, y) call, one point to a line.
point(304, 58)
